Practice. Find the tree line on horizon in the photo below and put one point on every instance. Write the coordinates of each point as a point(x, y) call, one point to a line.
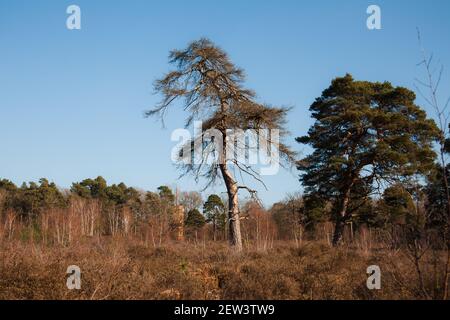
point(116, 207)
point(402, 214)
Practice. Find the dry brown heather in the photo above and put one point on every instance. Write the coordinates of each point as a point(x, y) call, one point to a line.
point(125, 269)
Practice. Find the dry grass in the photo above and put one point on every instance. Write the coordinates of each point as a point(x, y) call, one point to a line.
point(119, 269)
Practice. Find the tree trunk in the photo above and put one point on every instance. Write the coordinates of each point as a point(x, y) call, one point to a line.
point(341, 218)
point(338, 232)
point(235, 222)
point(234, 229)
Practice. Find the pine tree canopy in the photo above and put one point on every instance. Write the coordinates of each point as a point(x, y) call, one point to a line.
point(365, 134)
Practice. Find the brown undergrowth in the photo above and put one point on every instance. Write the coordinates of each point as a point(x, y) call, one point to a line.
point(126, 269)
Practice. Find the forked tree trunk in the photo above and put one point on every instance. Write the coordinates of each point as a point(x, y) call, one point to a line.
point(234, 230)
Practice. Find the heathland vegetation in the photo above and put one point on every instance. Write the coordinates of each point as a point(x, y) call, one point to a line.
point(375, 193)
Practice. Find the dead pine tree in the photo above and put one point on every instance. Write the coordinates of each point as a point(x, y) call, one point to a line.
point(211, 89)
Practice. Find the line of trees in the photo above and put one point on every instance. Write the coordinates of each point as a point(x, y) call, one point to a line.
point(102, 209)
point(45, 213)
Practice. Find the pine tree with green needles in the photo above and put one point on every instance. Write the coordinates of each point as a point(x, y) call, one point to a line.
point(214, 210)
point(366, 135)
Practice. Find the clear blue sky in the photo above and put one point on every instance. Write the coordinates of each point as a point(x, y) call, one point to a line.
point(72, 102)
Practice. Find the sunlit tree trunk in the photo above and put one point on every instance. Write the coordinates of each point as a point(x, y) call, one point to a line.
point(234, 229)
